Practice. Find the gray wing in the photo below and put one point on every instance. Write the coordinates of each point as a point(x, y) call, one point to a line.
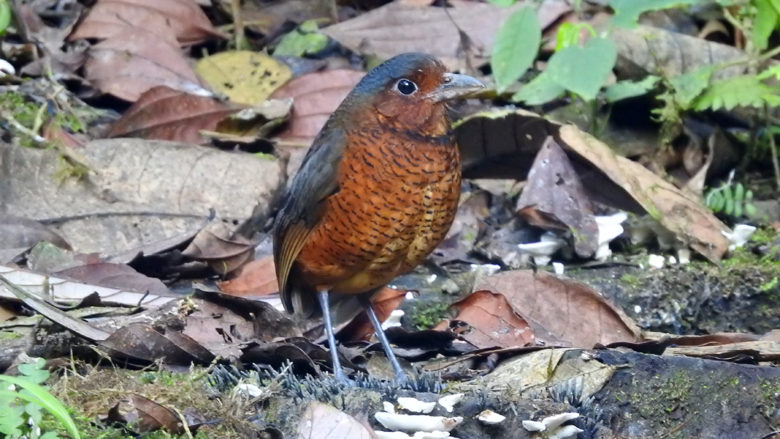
point(315, 181)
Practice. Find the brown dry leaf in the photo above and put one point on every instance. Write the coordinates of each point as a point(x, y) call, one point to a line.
point(153, 416)
point(223, 323)
point(553, 187)
point(682, 213)
point(493, 321)
point(323, 421)
point(570, 311)
point(400, 27)
point(384, 303)
point(256, 278)
point(138, 193)
point(56, 58)
point(501, 144)
point(71, 293)
point(19, 234)
point(223, 254)
point(170, 20)
point(144, 344)
point(115, 276)
point(129, 64)
point(315, 96)
point(168, 114)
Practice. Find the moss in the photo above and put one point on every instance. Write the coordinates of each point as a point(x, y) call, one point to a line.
point(23, 111)
point(180, 390)
point(426, 317)
point(9, 335)
point(671, 394)
point(629, 279)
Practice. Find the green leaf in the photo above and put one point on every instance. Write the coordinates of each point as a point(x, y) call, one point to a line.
point(718, 202)
point(627, 12)
point(742, 91)
point(739, 192)
point(540, 90)
point(583, 70)
point(568, 35)
point(772, 72)
point(304, 40)
point(515, 48)
point(502, 3)
point(39, 395)
point(35, 372)
point(750, 210)
point(629, 89)
point(776, 5)
point(765, 23)
point(5, 15)
point(729, 209)
point(689, 86)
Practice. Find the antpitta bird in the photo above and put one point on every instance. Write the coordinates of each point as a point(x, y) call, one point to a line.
point(376, 193)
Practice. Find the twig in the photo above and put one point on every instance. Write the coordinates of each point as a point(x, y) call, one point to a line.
point(238, 20)
point(183, 422)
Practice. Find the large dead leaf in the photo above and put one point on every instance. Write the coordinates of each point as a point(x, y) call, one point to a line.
point(315, 96)
point(223, 253)
point(322, 421)
point(115, 276)
point(19, 234)
point(256, 278)
point(152, 416)
point(684, 214)
point(71, 292)
point(170, 20)
point(402, 27)
point(167, 114)
point(554, 188)
point(503, 143)
point(245, 77)
point(569, 311)
point(129, 64)
point(493, 321)
point(137, 192)
point(653, 50)
point(550, 371)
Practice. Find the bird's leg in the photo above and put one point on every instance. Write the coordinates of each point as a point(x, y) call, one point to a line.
point(334, 353)
point(400, 376)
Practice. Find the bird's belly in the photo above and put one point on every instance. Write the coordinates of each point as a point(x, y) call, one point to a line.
point(371, 233)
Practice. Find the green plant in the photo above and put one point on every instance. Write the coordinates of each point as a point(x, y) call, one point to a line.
point(5, 16)
point(430, 315)
point(304, 40)
point(730, 199)
point(582, 69)
point(23, 401)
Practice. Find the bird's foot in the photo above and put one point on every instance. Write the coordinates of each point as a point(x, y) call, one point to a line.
point(402, 380)
point(342, 378)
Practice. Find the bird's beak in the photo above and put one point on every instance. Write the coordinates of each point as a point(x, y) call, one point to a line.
point(455, 86)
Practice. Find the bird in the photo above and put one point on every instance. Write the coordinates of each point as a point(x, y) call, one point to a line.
point(376, 192)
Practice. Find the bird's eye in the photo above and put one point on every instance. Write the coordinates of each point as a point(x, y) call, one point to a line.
point(406, 86)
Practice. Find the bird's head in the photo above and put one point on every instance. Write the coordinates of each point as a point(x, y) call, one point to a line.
point(409, 90)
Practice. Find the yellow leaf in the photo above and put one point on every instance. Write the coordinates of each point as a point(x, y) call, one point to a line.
point(245, 77)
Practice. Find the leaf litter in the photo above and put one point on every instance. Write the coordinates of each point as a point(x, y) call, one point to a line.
point(514, 310)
